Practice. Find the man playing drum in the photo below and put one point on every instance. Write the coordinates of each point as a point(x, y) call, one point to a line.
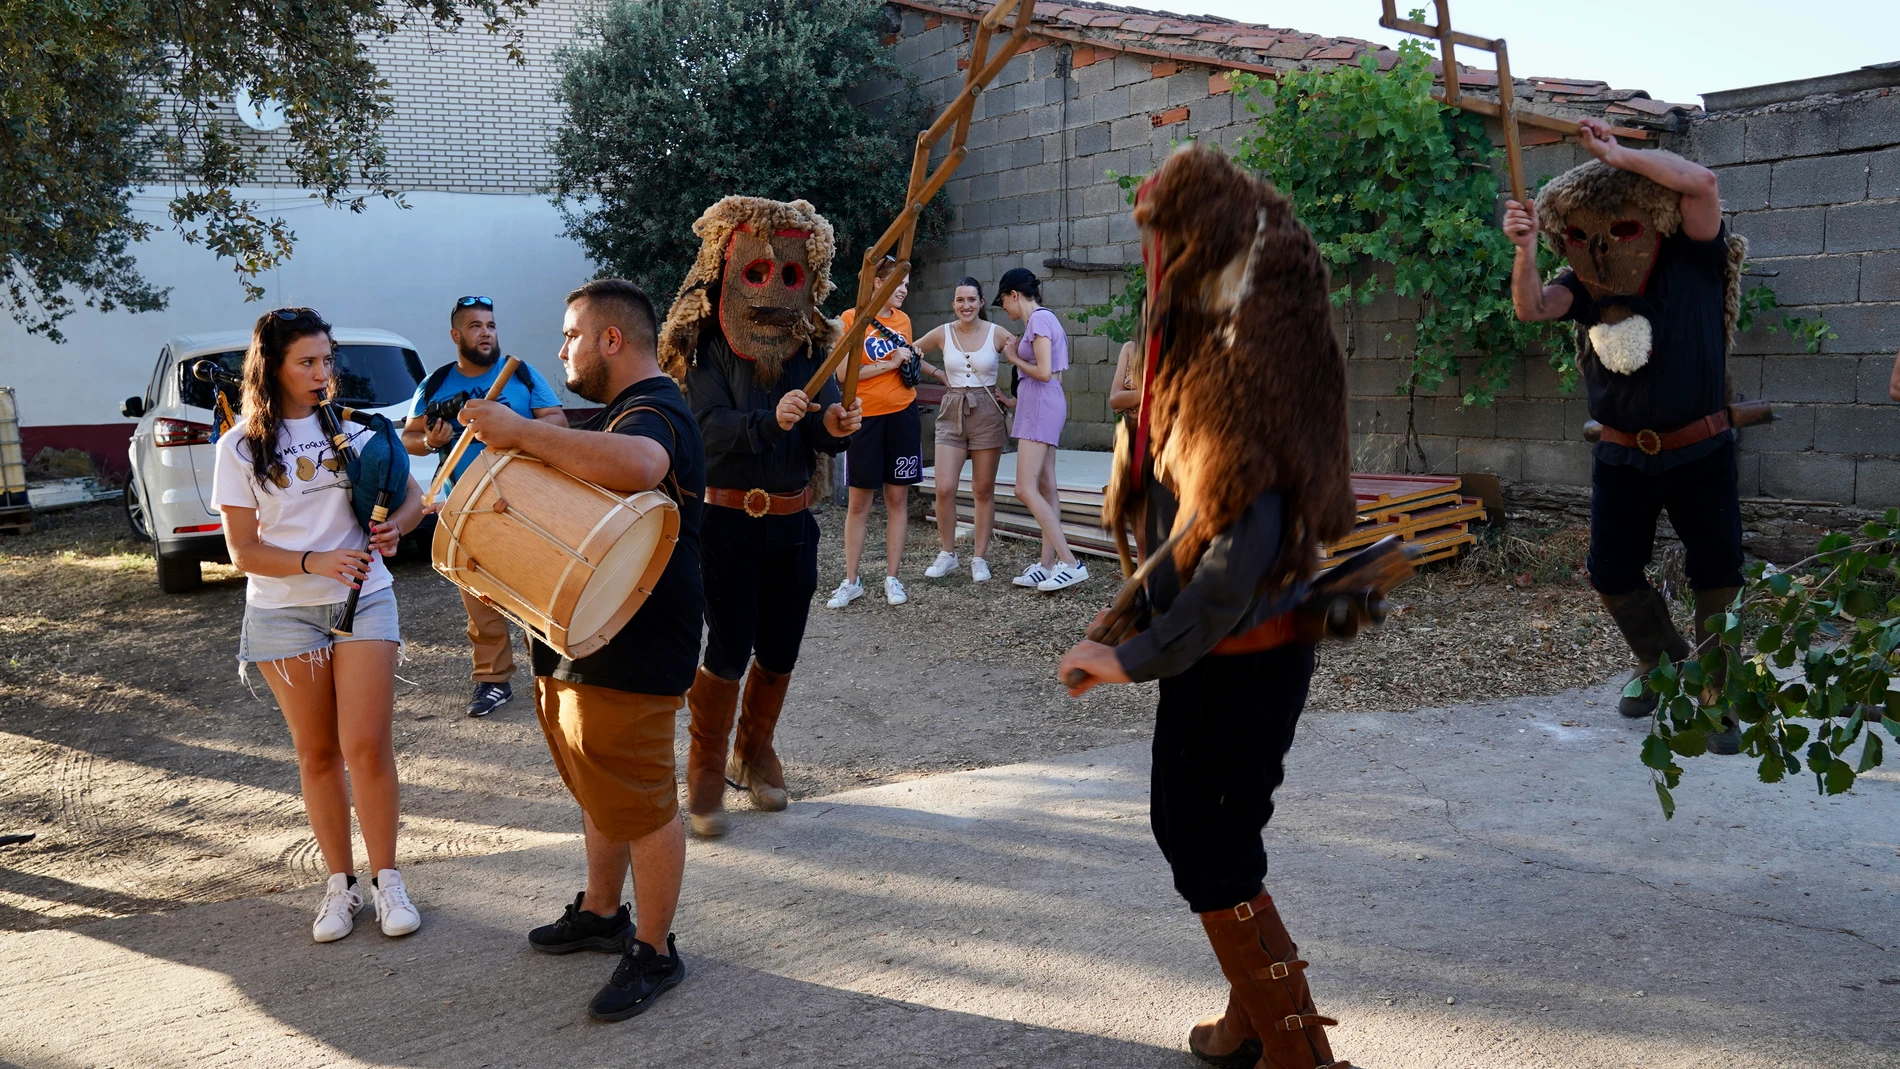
point(743, 335)
point(608, 717)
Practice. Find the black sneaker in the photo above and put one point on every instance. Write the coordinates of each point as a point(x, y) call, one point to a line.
point(641, 978)
point(489, 697)
point(580, 930)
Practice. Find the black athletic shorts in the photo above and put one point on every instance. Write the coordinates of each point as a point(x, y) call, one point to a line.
point(888, 449)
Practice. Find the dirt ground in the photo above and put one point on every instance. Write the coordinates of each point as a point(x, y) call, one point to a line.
point(155, 778)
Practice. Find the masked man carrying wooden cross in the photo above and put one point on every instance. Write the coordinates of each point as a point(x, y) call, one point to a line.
point(1654, 286)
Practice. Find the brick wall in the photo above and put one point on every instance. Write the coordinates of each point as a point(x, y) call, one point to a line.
point(467, 118)
point(1814, 186)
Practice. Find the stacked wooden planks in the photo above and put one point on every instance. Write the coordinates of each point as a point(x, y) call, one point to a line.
point(1425, 510)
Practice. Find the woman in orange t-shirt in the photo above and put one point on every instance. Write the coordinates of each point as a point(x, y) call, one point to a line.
point(887, 451)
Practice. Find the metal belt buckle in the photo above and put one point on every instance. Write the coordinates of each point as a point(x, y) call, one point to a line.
point(764, 506)
point(1649, 441)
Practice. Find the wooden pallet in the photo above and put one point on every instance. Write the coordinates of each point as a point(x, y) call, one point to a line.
point(16, 521)
point(1425, 511)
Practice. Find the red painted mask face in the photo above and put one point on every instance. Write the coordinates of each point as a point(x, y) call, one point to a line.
point(765, 295)
point(1611, 252)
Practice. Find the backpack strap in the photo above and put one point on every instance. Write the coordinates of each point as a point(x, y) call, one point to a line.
point(679, 494)
point(435, 380)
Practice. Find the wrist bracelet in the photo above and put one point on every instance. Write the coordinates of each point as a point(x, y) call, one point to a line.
point(303, 565)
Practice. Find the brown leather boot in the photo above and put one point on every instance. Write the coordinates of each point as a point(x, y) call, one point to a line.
point(1711, 603)
point(754, 765)
point(1269, 982)
point(1643, 617)
point(712, 702)
point(1228, 1040)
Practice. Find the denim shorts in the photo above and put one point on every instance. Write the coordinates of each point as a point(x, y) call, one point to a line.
point(300, 630)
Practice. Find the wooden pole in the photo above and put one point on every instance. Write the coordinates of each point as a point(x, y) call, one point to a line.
point(1507, 117)
point(901, 235)
point(468, 433)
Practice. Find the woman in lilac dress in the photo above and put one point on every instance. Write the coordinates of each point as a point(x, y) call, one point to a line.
point(1042, 354)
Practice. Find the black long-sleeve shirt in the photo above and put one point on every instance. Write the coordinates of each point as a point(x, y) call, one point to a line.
point(1223, 598)
point(745, 446)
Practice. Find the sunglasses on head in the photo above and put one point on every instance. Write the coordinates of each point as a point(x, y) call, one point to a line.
point(291, 315)
point(472, 302)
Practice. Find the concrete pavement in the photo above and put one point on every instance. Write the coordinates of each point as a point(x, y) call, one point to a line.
point(1482, 886)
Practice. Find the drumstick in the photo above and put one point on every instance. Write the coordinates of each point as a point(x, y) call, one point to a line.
point(468, 433)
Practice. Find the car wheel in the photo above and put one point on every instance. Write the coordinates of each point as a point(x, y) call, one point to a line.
point(135, 517)
point(176, 574)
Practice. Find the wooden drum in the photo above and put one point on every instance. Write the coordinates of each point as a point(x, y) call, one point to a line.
point(569, 561)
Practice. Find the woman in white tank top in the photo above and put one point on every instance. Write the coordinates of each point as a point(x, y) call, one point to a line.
point(970, 423)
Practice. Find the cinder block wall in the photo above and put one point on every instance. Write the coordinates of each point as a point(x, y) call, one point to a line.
point(1814, 186)
point(1036, 183)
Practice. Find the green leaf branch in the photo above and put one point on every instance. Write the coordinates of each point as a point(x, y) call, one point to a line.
point(1758, 301)
point(1804, 666)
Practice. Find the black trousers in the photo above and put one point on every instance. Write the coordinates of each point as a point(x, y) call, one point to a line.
point(1703, 505)
point(759, 575)
point(1222, 731)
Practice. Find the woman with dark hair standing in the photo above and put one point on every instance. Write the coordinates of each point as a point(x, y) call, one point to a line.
point(290, 527)
point(1041, 409)
point(970, 423)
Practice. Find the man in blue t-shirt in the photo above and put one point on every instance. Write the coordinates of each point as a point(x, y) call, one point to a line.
point(478, 351)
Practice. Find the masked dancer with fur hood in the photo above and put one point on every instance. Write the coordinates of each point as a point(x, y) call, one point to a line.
point(1654, 286)
point(1239, 452)
point(743, 337)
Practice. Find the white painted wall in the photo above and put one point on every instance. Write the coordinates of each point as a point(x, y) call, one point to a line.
point(388, 267)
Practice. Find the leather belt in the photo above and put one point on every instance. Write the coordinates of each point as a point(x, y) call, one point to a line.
point(756, 502)
point(1652, 443)
point(1274, 631)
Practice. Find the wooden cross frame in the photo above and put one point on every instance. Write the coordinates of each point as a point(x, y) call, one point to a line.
point(924, 184)
point(1505, 109)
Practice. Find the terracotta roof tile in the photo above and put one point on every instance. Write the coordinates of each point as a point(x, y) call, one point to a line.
point(1219, 44)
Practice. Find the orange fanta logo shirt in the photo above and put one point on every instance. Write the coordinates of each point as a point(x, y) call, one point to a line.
point(886, 393)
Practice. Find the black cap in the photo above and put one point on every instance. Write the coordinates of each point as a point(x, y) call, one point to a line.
point(1015, 280)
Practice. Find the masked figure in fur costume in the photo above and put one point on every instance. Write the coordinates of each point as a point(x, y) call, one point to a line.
point(1654, 286)
point(743, 337)
point(1240, 450)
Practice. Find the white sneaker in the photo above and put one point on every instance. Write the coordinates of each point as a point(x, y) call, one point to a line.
point(336, 915)
point(1066, 575)
point(945, 563)
point(979, 570)
point(848, 591)
point(894, 591)
point(1032, 575)
point(394, 911)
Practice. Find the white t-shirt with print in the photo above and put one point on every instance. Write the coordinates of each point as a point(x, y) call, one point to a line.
point(311, 511)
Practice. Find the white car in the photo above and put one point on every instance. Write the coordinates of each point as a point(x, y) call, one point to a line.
point(168, 495)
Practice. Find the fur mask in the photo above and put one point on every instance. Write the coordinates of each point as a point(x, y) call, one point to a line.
point(1609, 224)
point(1245, 387)
point(764, 268)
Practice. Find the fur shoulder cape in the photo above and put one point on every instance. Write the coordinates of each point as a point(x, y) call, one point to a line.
point(693, 306)
point(1248, 392)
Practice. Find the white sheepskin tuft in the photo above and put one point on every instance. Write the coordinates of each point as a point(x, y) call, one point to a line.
point(1622, 348)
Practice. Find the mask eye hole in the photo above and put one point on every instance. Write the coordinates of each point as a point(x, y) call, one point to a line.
point(793, 275)
point(757, 273)
point(1626, 230)
point(1576, 235)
